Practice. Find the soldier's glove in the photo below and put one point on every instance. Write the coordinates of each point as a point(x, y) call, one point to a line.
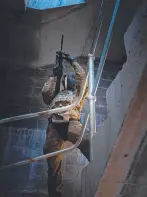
point(66, 56)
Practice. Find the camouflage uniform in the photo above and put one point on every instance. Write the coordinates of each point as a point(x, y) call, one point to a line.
point(69, 127)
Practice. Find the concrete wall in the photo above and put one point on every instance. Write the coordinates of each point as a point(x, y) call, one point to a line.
point(137, 185)
point(23, 139)
point(19, 38)
point(31, 38)
point(119, 96)
point(79, 25)
point(137, 173)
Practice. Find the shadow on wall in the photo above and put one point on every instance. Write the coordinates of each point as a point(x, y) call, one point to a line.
point(19, 38)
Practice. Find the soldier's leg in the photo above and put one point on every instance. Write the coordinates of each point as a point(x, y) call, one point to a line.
point(74, 131)
point(54, 143)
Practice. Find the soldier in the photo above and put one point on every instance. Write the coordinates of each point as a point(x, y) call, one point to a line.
point(66, 125)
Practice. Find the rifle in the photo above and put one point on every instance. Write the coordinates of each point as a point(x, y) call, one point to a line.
point(58, 70)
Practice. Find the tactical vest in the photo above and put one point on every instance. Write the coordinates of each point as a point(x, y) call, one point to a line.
point(62, 97)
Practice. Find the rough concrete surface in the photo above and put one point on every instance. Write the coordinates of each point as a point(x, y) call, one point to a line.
point(119, 96)
point(136, 181)
point(31, 38)
point(127, 144)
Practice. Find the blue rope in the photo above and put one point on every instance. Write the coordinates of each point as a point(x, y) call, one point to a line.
point(106, 45)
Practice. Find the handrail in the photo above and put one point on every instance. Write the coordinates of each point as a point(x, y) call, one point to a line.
point(49, 112)
point(31, 160)
point(99, 72)
point(91, 103)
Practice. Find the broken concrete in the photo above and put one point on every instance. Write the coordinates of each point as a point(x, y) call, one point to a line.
point(119, 96)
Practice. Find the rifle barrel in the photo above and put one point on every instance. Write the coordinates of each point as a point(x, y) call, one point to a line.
point(62, 42)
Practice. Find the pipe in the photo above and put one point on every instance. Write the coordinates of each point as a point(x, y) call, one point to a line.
point(105, 48)
point(31, 160)
point(91, 103)
point(49, 112)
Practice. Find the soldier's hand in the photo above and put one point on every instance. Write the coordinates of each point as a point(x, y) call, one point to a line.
point(65, 56)
point(68, 58)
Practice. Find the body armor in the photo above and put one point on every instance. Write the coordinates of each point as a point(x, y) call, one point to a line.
point(64, 98)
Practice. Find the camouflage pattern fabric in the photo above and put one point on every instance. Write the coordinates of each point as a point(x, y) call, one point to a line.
point(55, 137)
point(69, 129)
point(65, 98)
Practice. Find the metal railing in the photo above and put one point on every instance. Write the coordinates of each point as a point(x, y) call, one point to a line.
point(31, 160)
point(49, 112)
point(92, 90)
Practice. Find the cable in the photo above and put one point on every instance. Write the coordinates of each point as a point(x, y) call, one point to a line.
point(106, 45)
point(98, 30)
point(96, 18)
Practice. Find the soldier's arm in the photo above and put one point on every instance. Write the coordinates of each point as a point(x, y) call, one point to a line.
point(48, 90)
point(79, 72)
point(80, 76)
